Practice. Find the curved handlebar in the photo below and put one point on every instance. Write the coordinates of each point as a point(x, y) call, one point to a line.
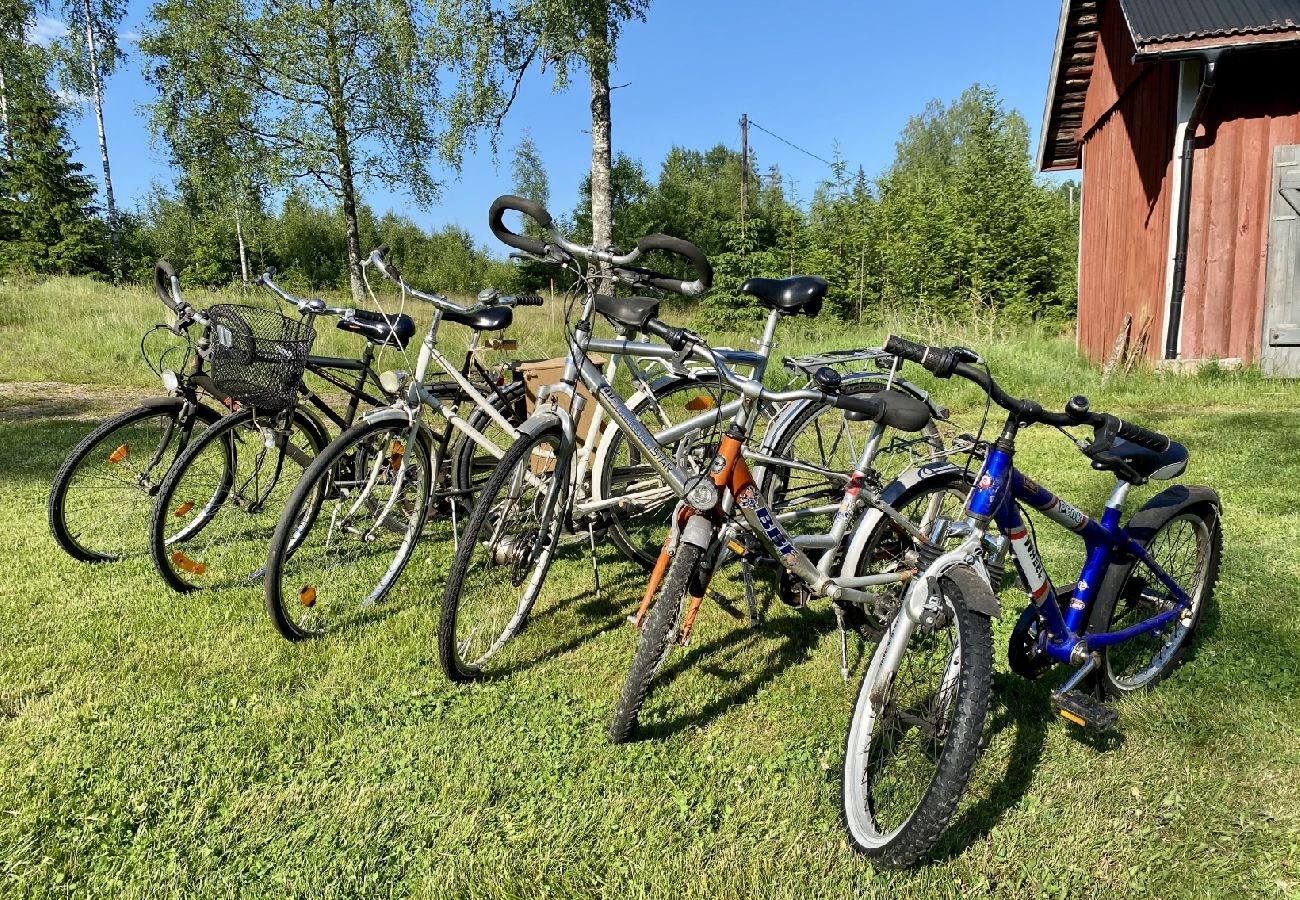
point(678, 247)
point(947, 361)
point(167, 285)
point(534, 211)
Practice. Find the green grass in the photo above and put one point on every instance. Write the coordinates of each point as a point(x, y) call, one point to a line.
point(159, 745)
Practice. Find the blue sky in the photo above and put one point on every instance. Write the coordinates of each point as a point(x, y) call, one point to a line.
point(823, 74)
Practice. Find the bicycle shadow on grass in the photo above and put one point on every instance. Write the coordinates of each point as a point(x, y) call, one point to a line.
point(795, 636)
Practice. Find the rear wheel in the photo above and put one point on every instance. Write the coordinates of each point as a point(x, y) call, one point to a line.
point(658, 633)
point(102, 497)
point(504, 556)
point(1186, 545)
point(348, 529)
point(471, 465)
point(217, 507)
point(915, 733)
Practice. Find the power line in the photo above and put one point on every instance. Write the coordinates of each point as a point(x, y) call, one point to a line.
point(792, 144)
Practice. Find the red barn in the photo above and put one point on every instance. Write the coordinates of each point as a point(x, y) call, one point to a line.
point(1185, 118)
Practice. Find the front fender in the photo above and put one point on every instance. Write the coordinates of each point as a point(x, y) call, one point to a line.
point(976, 594)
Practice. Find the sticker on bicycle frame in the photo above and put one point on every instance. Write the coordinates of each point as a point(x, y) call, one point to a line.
point(783, 547)
point(986, 482)
point(1078, 604)
point(748, 497)
point(719, 463)
point(1029, 483)
point(850, 495)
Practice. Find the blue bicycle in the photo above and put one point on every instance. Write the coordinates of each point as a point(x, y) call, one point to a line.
point(919, 716)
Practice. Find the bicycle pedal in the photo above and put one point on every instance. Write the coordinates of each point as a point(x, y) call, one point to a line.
point(1085, 710)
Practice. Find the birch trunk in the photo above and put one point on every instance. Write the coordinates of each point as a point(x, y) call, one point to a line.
point(243, 250)
point(4, 117)
point(97, 94)
point(602, 203)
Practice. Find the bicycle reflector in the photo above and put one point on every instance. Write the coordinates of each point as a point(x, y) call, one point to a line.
point(185, 564)
point(118, 455)
point(700, 403)
point(395, 461)
point(183, 509)
point(307, 596)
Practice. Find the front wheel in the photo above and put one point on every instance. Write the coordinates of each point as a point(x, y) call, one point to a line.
point(1186, 544)
point(504, 555)
point(348, 529)
point(103, 494)
point(658, 632)
point(914, 737)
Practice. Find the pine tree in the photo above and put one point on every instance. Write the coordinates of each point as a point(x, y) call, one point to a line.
point(48, 220)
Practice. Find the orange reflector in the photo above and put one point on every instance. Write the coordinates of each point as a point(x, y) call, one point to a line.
point(183, 509)
point(395, 461)
point(307, 596)
point(735, 548)
point(118, 455)
point(1066, 714)
point(185, 564)
point(695, 404)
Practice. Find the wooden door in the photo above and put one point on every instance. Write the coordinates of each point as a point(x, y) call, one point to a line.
point(1280, 354)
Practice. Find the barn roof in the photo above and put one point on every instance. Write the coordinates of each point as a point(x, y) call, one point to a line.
point(1159, 28)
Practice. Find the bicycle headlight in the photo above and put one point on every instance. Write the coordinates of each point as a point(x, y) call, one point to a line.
point(702, 495)
point(169, 381)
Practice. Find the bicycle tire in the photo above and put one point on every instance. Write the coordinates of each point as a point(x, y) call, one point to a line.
point(658, 632)
point(917, 833)
point(537, 558)
point(175, 559)
point(1148, 526)
point(135, 504)
point(319, 485)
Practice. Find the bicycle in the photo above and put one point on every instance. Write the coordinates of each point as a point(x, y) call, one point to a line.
point(914, 736)
point(208, 525)
point(515, 534)
point(103, 493)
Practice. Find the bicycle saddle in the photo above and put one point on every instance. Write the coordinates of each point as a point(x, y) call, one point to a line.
point(394, 330)
point(797, 294)
point(900, 411)
point(1158, 464)
point(631, 311)
point(492, 318)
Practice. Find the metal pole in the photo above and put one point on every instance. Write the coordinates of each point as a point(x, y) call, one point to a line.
point(744, 171)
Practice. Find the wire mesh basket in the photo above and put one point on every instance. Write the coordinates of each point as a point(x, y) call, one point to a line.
point(257, 356)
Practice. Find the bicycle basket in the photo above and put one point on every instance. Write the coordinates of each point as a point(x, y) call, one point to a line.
point(257, 356)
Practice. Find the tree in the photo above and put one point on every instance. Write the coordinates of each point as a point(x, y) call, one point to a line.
point(340, 92)
point(88, 55)
point(47, 213)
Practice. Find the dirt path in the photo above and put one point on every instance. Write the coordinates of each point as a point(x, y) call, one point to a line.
point(21, 400)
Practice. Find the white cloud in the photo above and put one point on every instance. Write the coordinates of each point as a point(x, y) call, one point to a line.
point(46, 30)
point(72, 99)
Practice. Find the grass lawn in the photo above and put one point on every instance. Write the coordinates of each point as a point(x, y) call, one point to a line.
point(156, 745)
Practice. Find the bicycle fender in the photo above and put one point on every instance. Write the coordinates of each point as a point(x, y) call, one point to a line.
point(541, 421)
point(976, 594)
point(698, 532)
point(1144, 523)
point(904, 482)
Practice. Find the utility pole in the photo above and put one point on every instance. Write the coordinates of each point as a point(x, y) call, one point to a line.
point(744, 171)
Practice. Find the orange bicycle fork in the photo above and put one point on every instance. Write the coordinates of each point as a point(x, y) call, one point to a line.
point(729, 473)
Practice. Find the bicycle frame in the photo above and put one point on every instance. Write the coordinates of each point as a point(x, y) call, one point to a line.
point(1105, 540)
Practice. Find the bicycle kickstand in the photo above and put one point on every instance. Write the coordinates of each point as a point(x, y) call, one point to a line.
point(747, 572)
point(844, 643)
point(595, 566)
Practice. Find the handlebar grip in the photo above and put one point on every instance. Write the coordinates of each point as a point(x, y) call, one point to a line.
point(163, 273)
point(534, 211)
point(688, 251)
point(380, 255)
point(864, 404)
point(673, 337)
point(528, 300)
point(942, 361)
point(1143, 437)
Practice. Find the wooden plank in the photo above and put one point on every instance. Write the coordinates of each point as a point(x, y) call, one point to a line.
point(1117, 350)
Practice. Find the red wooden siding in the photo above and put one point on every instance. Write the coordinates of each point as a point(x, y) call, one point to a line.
point(1255, 107)
point(1127, 163)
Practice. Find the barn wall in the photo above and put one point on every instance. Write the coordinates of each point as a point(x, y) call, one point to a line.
point(1255, 106)
point(1129, 128)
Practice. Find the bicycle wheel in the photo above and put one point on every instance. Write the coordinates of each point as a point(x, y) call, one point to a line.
point(822, 436)
point(891, 548)
point(218, 506)
point(915, 733)
point(102, 497)
point(348, 529)
point(1186, 543)
point(505, 553)
point(471, 465)
point(658, 633)
point(638, 527)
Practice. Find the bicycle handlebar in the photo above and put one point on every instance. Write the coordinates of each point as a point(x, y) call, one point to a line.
point(948, 361)
point(622, 264)
point(167, 285)
point(379, 259)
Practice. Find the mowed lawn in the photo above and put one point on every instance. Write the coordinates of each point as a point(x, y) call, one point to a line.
point(154, 745)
